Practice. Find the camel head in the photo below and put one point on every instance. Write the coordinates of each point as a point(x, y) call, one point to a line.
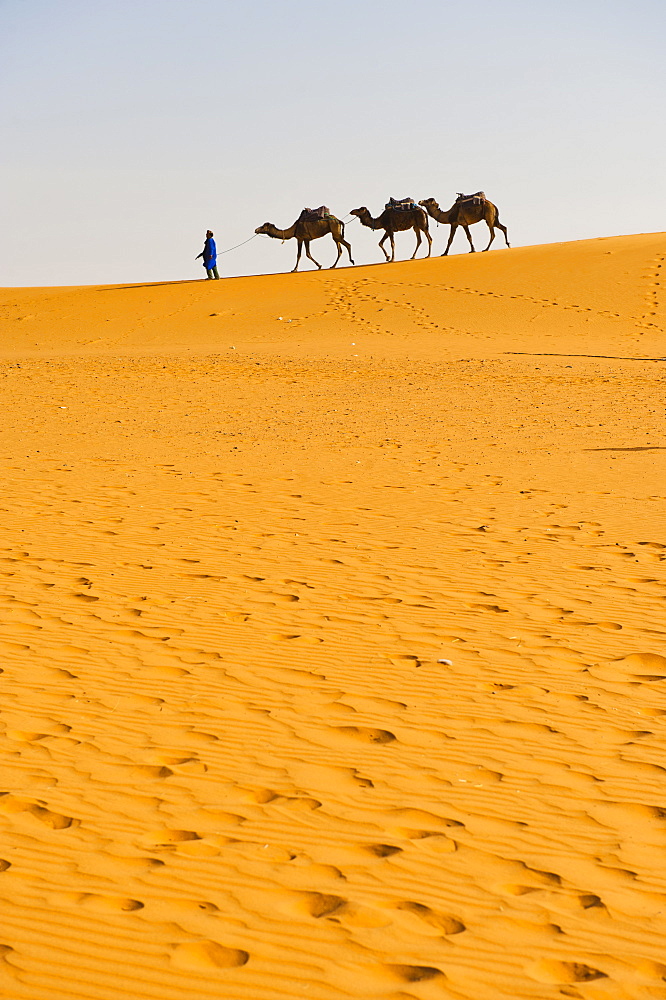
point(359, 211)
point(265, 229)
point(429, 203)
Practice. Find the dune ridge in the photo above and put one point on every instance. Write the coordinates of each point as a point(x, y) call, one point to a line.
point(332, 645)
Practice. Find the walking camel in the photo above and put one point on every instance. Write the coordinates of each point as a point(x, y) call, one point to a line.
point(396, 220)
point(466, 212)
point(307, 229)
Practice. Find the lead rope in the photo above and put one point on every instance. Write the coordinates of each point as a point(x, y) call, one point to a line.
point(229, 249)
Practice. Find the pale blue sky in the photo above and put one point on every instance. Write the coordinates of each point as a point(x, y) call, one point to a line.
point(129, 128)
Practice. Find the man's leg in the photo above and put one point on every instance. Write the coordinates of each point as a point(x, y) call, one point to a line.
point(209, 274)
point(215, 273)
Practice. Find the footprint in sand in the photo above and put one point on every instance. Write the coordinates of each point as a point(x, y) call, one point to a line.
point(411, 973)
point(489, 607)
point(363, 735)
point(312, 904)
point(258, 796)
point(166, 837)
point(24, 736)
point(527, 879)
point(431, 841)
point(299, 803)
point(211, 818)
point(444, 923)
point(380, 850)
point(207, 956)
point(101, 904)
point(637, 668)
point(554, 972)
point(11, 804)
point(420, 818)
point(345, 854)
point(382, 978)
point(646, 666)
point(122, 865)
point(148, 771)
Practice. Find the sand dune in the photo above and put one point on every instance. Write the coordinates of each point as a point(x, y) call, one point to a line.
point(333, 636)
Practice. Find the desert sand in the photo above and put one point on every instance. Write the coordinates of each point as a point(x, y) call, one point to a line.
point(333, 635)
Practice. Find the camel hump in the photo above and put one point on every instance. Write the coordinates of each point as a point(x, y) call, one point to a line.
point(314, 213)
point(477, 198)
point(401, 204)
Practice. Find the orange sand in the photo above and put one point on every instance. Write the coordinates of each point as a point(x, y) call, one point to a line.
point(246, 526)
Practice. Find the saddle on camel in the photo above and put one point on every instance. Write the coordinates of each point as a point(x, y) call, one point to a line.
point(314, 213)
point(401, 204)
point(477, 198)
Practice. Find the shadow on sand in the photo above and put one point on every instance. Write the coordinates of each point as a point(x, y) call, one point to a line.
point(553, 354)
point(153, 284)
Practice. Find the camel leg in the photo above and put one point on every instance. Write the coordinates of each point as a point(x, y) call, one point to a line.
point(308, 254)
point(298, 255)
point(418, 243)
point(451, 235)
point(391, 237)
point(339, 249)
point(503, 228)
point(341, 242)
point(491, 230)
point(429, 239)
point(381, 244)
point(467, 233)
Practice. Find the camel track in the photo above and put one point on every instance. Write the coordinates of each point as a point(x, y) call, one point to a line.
point(332, 645)
point(654, 279)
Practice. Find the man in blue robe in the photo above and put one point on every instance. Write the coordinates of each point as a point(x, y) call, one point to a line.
point(209, 254)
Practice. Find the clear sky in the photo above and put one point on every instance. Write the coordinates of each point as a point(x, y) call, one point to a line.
point(129, 127)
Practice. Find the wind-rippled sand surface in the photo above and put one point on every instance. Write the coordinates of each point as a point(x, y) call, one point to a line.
point(333, 633)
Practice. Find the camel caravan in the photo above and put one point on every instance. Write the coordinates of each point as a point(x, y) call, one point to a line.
point(398, 216)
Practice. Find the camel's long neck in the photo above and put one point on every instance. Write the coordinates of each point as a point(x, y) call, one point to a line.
point(438, 214)
point(367, 220)
point(283, 234)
